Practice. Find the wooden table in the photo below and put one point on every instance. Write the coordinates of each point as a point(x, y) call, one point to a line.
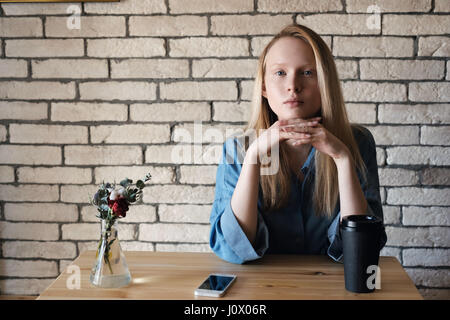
point(175, 275)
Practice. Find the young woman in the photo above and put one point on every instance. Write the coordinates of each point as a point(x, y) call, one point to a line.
point(326, 168)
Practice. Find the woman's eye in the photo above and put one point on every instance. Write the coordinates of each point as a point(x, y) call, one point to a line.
point(280, 73)
point(308, 73)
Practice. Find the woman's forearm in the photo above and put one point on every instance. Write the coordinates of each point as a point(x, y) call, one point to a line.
point(351, 196)
point(245, 196)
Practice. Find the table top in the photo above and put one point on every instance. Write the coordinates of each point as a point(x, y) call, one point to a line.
point(175, 276)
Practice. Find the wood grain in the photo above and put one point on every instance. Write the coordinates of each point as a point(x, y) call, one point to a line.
point(175, 275)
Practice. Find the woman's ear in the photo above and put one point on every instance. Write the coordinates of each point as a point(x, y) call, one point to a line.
point(263, 91)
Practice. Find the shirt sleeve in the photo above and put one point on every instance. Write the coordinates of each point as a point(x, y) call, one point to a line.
point(227, 239)
point(371, 190)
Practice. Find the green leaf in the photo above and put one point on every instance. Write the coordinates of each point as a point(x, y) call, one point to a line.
point(148, 176)
point(140, 184)
point(125, 182)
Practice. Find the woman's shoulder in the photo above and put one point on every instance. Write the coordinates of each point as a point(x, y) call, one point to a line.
point(363, 137)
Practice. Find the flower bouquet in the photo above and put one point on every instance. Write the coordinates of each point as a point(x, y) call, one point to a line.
point(112, 202)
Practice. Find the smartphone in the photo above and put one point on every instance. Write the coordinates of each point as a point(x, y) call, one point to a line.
point(215, 285)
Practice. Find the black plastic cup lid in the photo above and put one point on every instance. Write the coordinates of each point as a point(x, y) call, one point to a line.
point(360, 220)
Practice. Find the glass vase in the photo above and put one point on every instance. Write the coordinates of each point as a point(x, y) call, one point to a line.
point(110, 269)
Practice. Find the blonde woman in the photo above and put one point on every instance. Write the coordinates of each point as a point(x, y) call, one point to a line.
point(326, 168)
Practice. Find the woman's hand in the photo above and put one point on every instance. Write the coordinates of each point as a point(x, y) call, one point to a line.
point(316, 135)
point(273, 136)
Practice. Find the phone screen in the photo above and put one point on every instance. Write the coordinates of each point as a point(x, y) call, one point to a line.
point(216, 282)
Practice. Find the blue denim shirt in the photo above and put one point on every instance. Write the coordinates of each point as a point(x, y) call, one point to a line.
point(294, 229)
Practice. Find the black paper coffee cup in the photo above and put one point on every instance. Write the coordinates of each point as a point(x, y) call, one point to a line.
point(361, 235)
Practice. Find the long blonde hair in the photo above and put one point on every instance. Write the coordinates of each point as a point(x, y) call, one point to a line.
point(276, 187)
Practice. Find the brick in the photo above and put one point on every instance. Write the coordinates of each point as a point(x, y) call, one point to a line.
point(21, 268)
point(231, 111)
point(246, 90)
point(391, 252)
point(397, 177)
point(38, 212)
point(418, 196)
point(436, 176)
point(29, 231)
point(389, 6)
point(441, 6)
point(417, 237)
point(230, 68)
point(426, 258)
point(35, 249)
point(130, 133)
point(415, 24)
point(184, 154)
point(6, 174)
point(428, 277)
point(204, 133)
point(198, 174)
point(69, 68)
point(90, 27)
point(208, 47)
point(44, 48)
point(42, 133)
point(434, 46)
point(381, 156)
point(429, 91)
point(126, 48)
point(401, 69)
point(117, 90)
point(435, 135)
point(391, 215)
point(426, 216)
point(168, 112)
point(106, 155)
point(339, 24)
point(205, 6)
point(369, 91)
point(137, 213)
point(37, 90)
point(29, 287)
point(372, 47)
point(395, 135)
point(118, 173)
point(361, 112)
point(261, 24)
point(409, 114)
point(298, 6)
point(175, 194)
point(127, 7)
point(167, 26)
point(20, 27)
point(184, 213)
point(22, 110)
point(54, 175)
point(13, 68)
point(92, 231)
point(418, 155)
point(21, 9)
point(88, 111)
point(163, 232)
point(29, 193)
point(182, 247)
point(347, 69)
point(34, 155)
point(190, 90)
point(150, 68)
point(3, 133)
point(136, 246)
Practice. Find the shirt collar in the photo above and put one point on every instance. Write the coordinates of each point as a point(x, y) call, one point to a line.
point(309, 161)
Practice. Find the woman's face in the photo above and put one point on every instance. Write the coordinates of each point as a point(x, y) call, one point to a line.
point(290, 80)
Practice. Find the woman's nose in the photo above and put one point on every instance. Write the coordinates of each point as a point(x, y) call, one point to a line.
point(294, 85)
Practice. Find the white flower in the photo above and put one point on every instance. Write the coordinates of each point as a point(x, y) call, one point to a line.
point(114, 195)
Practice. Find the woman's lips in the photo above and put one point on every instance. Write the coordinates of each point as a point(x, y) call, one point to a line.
point(293, 103)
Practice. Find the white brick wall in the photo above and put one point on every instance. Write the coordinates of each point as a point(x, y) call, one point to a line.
point(112, 99)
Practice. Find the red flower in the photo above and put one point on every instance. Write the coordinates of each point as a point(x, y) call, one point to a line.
point(119, 206)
